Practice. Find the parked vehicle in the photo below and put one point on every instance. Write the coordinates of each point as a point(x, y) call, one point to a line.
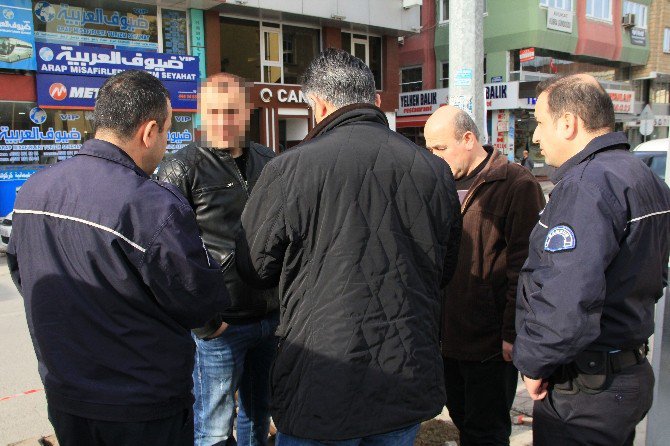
point(5, 231)
point(654, 153)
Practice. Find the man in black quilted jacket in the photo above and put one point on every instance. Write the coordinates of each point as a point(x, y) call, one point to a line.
point(360, 229)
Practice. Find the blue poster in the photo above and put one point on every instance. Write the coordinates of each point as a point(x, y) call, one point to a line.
point(11, 180)
point(75, 22)
point(17, 43)
point(80, 92)
point(105, 62)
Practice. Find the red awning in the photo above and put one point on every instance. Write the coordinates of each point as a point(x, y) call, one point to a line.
point(411, 121)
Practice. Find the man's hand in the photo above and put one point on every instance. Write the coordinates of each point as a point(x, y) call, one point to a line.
point(507, 351)
point(537, 388)
point(219, 331)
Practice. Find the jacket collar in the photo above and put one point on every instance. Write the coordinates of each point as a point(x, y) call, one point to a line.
point(608, 141)
point(345, 115)
point(494, 170)
point(496, 167)
point(110, 152)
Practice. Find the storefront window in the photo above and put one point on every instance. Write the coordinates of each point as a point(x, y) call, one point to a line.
point(174, 31)
point(181, 133)
point(369, 50)
point(32, 135)
point(301, 46)
point(240, 48)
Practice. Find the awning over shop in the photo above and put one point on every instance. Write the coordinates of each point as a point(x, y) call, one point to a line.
point(411, 121)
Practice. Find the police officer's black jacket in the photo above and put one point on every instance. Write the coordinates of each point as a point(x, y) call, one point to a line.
point(113, 274)
point(597, 261)
point(213, 185)
point(355, 225)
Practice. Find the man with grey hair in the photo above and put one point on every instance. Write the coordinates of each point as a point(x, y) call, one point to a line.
point(360, 229)
point(500, 202)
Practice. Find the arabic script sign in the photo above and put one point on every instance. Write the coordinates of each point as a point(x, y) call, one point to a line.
point(92, 61)
point(128, 25)
point(17, 45)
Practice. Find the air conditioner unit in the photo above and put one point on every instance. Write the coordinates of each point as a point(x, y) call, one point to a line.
point(406, 4)
point(628, 20)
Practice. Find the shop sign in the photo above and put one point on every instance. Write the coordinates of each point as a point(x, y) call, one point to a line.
point(661, 121)
point(17, 44)
point(503, 131)
point(94, 61)
point(422, 102)
point(80, 92)
point(638, 36)
point(527, 55)
point(498, 96)
point(559, 20)
point(502, 95)
point(276, 95)
point(622, 99)
point(75, 22)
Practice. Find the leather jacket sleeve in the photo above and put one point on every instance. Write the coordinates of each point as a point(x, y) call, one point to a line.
point(174, 171)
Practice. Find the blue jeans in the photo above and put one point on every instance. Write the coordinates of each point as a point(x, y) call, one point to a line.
point(238, 360)
point(402, 437)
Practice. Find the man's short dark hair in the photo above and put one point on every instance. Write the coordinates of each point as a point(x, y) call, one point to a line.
point(463, 123)
point(579, 96)
point(339, 78)
point(128, 99)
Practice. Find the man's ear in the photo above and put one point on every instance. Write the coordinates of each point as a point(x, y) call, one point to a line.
point(320, 108)
point(469, 140)
point(149, 131)
point(567, 125)
point(378, 100)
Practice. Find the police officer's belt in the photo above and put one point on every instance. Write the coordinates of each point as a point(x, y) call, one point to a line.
point(592, 371)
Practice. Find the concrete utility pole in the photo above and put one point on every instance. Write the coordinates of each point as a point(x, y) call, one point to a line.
point(466, 58)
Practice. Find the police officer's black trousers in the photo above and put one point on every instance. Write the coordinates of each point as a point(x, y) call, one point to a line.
point(479, 398)
point(72, 430)
point(604, 419)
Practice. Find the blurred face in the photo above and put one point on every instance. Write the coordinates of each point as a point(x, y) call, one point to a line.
point(224, 113)
point(453, 151)
point(546, 133)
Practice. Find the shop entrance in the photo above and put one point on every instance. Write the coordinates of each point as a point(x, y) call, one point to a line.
point(291, 132)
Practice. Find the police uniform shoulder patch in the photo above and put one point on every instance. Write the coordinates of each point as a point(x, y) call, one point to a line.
point(560, 238)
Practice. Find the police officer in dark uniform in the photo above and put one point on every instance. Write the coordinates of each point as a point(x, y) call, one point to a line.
point(597, 264)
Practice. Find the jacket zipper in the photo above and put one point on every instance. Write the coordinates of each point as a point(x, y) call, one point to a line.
point(240, 178)
point(468, 199)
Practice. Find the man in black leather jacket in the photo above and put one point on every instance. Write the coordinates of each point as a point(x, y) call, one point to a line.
point(235, 349)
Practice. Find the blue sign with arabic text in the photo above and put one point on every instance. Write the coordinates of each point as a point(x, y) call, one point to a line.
point(105, 62)
point(80, 92)
point(17, 43)
point(75, 22)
